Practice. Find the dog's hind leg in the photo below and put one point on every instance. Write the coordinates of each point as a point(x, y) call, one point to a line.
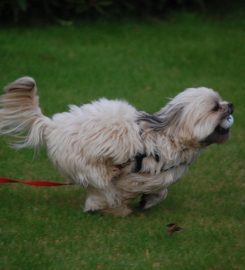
point(95, 200)
point(120, 211)
point(101, 199)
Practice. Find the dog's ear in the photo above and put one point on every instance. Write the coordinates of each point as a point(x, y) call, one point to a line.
point(152, 120)
point(165, 119)
point(170, 115)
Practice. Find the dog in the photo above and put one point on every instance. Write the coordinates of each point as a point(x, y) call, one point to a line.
point(113, 150)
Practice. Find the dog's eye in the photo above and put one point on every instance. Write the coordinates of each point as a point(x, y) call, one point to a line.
point(216, 107)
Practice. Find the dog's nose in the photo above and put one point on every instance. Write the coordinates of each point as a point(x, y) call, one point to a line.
point(231, 107)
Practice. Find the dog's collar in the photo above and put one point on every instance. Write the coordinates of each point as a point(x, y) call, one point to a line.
point(140, 157)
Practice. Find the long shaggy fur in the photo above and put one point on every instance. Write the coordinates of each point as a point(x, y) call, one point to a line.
point(113, 150)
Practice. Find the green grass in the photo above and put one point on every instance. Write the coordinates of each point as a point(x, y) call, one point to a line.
point(143, 62)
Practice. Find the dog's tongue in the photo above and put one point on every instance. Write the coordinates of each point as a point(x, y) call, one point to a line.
point(227, 122)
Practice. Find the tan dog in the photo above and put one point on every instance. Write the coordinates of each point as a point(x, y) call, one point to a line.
point(115, 151)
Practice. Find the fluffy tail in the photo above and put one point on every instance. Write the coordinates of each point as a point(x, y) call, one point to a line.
point(20, 115)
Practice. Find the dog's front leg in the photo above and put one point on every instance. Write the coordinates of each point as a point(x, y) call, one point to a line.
point(149, 200)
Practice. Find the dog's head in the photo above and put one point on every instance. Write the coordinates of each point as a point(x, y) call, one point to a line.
point(196, 115)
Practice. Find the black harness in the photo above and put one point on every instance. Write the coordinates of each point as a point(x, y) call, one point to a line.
point(139, 160)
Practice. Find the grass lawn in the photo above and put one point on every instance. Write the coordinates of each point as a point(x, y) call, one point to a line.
point(143, 62)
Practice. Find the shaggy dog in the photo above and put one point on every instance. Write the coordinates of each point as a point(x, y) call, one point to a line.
point(113, 150)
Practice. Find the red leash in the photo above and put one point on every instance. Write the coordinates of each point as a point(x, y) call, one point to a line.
point(33, 183)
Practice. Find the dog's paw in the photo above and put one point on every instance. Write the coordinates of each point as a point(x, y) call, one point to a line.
point(121, 211)
point(93, 204)
point(149, 200)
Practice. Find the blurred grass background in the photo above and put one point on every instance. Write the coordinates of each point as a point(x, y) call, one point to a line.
point(144, 62)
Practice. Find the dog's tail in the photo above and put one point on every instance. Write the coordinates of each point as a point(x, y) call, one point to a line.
point(20, 115)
